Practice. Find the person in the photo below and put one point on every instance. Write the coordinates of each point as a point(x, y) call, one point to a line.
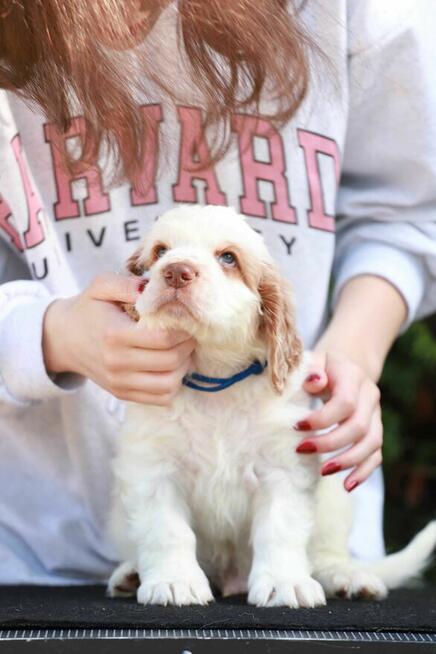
point(111, 113)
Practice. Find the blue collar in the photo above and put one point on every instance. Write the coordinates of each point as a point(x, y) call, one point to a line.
point(219, 384)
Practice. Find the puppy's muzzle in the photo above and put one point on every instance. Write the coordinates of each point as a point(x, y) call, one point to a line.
point(179, 275)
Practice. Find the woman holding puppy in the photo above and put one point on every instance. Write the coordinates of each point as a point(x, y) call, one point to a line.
point(111, 113)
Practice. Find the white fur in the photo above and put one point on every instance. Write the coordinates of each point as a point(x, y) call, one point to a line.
point(210, 487)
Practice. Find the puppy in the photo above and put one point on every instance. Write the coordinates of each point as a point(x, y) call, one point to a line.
point(209, 491)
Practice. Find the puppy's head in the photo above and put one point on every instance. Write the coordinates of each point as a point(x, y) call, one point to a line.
point(210, 274)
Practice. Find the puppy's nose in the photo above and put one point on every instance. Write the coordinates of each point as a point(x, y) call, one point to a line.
point(179, 275)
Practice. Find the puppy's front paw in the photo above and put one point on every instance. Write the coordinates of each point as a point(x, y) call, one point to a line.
point(275, 590)
point(192, 588)
point(351, 582)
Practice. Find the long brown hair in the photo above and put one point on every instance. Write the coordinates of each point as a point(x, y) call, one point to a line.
point(58, 54)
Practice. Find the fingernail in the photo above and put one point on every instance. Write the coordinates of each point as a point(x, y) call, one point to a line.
point(307, 447)
point(303, 425)
point(141, 285)
point(351, 486)
point(330, 468)
point(313, 378)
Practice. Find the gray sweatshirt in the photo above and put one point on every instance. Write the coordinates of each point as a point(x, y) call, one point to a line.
point(347, 188)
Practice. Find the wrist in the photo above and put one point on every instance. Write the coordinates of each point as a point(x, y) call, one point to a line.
point(367, 317)
point(55, 329)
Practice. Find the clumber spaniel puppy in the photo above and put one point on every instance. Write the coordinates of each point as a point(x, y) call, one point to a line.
point(209, 490)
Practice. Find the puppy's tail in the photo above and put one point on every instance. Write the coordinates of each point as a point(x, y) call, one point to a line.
point(397, 569)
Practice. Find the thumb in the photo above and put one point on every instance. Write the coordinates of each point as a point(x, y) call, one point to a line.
point(115, 288)
point(315, 382)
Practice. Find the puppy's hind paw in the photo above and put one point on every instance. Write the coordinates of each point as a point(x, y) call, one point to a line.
point(124, 581)
point(266, 590)
point(351, 583)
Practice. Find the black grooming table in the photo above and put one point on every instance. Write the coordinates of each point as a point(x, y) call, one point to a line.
point(82, 619)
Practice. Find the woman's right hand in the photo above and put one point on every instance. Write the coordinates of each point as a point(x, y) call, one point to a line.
point(91, 335)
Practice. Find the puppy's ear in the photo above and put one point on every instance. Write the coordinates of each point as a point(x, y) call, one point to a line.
point(278, 327)
point(134, 264)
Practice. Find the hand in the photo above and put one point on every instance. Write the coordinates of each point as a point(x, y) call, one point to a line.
point(352, 407)
point(91, 335)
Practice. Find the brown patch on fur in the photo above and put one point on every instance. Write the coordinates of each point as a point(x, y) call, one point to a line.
point(233, 271)
point(131, 311)
point(278, 327)
point(365, 594)
point(341, 593)
point(137, 268)
point(137, 264)
point(134, 263)
point(129, 584)
point(247, 267)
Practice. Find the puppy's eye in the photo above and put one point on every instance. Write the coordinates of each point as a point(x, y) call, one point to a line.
point(227, 259)
point(160, 251)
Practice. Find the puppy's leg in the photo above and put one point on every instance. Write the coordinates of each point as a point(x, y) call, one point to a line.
point(337, 572)
point(280, 573)
point(159, 527)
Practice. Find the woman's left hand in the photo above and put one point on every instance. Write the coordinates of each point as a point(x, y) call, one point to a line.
point(352, 408)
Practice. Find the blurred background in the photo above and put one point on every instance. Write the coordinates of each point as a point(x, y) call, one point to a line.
point(408, 390)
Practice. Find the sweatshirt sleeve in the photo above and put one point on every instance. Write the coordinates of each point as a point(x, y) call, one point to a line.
point(23, 303)
point(387, 198)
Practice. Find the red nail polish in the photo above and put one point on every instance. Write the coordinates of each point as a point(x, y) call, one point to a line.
point(352, 486)
point(303, 425)
point(141, 285)
point(330, 468)
point(307, 447)
point(313, 378)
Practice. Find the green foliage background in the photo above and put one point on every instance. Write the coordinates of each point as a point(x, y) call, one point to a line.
point(408, 390)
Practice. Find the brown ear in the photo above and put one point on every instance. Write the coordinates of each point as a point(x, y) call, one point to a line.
point(136, 267)
point(134, 263)
point(278, 327)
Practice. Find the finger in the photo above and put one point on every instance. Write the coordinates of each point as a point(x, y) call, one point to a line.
point(135, 359)
point(146, 398)
point(155, 339)
point(153, 383)
point(342, 404)
point(338, 408)
point(115, 288)
point(360, 452)
point(348, 432)
point(316, 381)
point(362, 472)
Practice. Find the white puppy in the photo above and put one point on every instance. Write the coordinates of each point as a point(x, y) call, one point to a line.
point(210, 489)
